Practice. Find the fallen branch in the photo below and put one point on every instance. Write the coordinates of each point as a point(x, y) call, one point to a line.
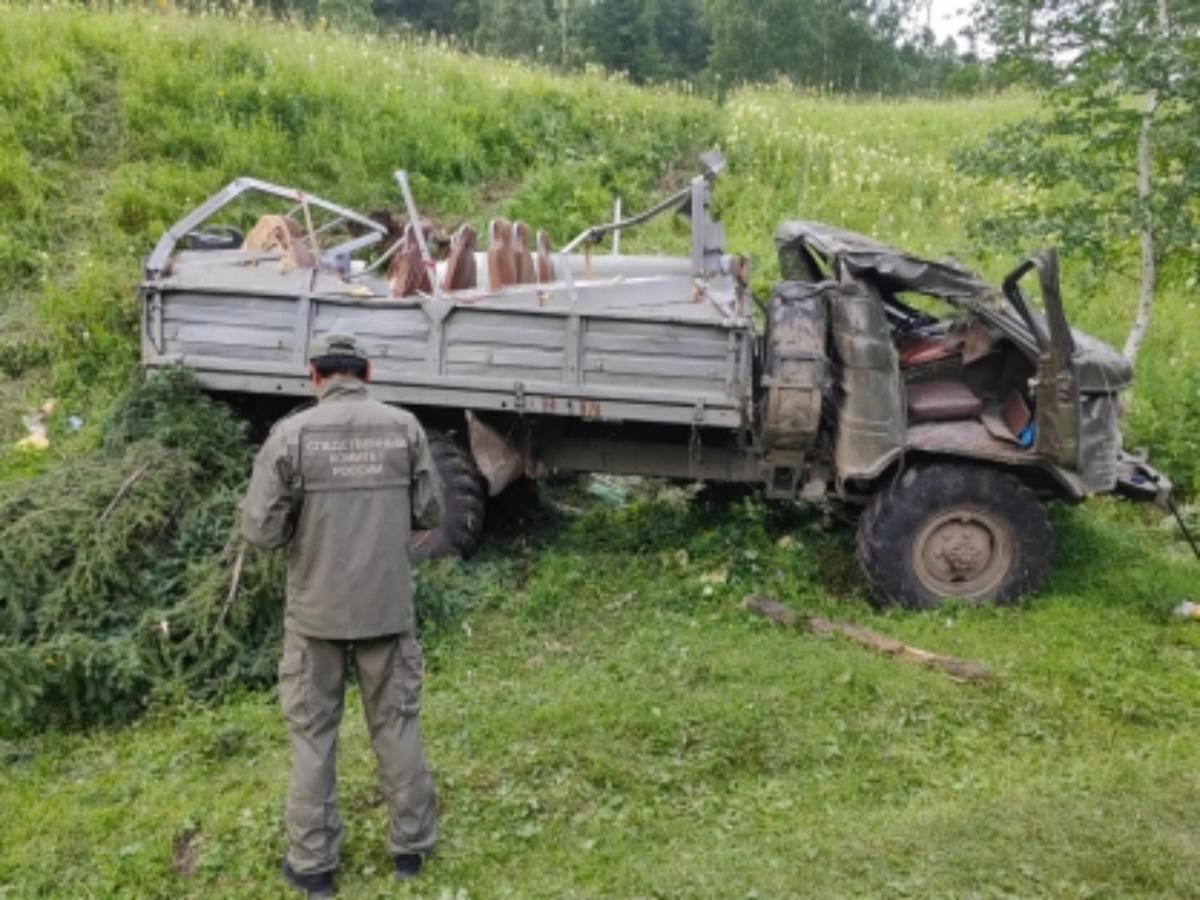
point(122, 491)
point(234, 583)
point(962, 670)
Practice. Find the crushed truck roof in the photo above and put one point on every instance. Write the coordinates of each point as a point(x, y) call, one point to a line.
point(867, 258)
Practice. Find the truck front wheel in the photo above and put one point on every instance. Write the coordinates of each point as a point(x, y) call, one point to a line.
point(463, 501)
point(947, 530)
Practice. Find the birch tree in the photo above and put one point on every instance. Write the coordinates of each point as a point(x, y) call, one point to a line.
point(1112, 162)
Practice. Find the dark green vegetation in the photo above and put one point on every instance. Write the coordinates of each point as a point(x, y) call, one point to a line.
point(603, 720)
point(115, 568)
point(881, 46)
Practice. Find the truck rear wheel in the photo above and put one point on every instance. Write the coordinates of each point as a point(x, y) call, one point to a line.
point(463, 497)
point(949, 530)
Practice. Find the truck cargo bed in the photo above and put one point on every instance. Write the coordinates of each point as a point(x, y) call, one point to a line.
point(652, 348)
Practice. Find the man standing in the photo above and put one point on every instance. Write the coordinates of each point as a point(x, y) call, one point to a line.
point(342, 483)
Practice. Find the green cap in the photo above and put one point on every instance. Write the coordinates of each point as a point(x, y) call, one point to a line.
point(336, 343)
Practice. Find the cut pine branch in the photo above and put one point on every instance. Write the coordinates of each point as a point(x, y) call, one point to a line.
point(962, 670)
point(124, 489)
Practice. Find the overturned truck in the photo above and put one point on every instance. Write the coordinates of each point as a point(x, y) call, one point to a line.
point(949, 429)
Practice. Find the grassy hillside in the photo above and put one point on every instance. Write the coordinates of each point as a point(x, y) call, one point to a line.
point(602, 719)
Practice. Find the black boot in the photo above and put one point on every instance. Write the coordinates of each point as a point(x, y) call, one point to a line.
point(316, 885)
point(408, 865)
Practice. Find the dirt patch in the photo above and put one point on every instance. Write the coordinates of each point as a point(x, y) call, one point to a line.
point(185, 852)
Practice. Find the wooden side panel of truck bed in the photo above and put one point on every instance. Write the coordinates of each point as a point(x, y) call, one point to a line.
point(642, 349)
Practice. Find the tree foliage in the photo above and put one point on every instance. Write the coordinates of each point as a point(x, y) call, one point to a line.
point(515, 28)
point(839, 45)
point(1076, 161)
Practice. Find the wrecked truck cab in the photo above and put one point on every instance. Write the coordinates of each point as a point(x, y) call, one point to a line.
point(1016, 385)
point(951, 429)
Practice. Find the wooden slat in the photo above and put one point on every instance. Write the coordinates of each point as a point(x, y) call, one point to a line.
point(506, 356)
point(439, 386)
point(687, 389)
point(660, 330)
point(551, 338)
point(468, 317)
point(655, 367)
point(510, 374)
point(402, 350)
point(367, 322)
point(656, 347)
point(232, 352)
point(207, 315)
point(503, 356)
point(227, 309)
point(230, 336)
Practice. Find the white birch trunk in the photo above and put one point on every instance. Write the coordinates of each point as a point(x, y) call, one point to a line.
point(1141, 322)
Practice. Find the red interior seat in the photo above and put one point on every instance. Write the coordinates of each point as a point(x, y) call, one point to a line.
point(937, 401)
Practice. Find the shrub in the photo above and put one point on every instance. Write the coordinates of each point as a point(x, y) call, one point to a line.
point(115, 568)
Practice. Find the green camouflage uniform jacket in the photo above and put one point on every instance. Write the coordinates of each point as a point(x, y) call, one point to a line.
point(342, 483)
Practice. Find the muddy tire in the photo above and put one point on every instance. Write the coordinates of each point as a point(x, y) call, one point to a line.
point(464, 498)
point(948, 530)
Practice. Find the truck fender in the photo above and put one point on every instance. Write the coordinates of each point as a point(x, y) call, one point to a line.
point(498, 456)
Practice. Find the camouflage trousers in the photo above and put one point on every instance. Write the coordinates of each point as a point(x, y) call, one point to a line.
point(312, 676)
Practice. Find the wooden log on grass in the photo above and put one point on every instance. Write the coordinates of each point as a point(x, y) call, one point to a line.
point(962, 670)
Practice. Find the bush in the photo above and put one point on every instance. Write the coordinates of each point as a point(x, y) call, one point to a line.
point(116, 568)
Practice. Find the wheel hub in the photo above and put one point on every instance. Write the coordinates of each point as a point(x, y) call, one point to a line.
point(963, 553)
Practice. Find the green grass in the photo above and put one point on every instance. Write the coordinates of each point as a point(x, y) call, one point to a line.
point(604, 721)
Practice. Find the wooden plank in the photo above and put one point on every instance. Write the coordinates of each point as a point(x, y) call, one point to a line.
point(961, 670)
point(695, 388)
point(503, 356)
point(227, 305)
point(629, 328)
point(235, 357)
point(238, 380)
point(655, 367)
point(381, 351)
point(265, 277)
point(517, 336)
point(367, 322)
point(477, 317)
point(224, 335)
point(509, 374)
point(644, 393)
point(187, 313)
point(657, 346)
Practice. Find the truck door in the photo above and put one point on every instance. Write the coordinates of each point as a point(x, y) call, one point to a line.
point(1057, 393)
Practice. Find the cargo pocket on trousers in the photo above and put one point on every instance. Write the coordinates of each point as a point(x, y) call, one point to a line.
point(407, 675)
point(294, 678)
